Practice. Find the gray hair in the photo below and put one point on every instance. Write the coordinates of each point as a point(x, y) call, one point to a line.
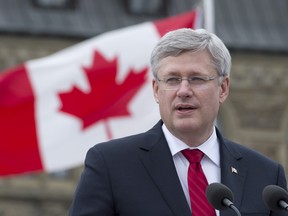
point(182, 40)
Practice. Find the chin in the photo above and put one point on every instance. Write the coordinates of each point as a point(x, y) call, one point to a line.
point(186, 125)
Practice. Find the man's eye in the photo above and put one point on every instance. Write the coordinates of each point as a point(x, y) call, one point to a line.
point(200, 79)
point(173, 80)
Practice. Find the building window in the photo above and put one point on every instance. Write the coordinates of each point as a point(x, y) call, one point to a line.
point(55, 4)
point(147, 7)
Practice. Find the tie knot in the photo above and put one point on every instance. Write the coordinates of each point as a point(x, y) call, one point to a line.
point(193, 156)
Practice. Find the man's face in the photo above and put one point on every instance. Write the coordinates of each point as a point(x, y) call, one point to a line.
point(190, 109)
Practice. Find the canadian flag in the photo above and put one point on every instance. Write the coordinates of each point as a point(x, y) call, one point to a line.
point(53, 109)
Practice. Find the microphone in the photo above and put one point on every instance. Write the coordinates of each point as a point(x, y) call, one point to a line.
point(276, 198)
point(221, 197)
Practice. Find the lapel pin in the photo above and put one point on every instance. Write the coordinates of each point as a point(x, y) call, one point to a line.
point(234, 170)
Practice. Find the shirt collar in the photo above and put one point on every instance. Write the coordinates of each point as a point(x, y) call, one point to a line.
point(210, 147)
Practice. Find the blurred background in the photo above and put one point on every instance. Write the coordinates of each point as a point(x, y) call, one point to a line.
point(255, 32)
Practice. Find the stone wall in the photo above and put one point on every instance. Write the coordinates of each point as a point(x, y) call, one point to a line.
point(37, 194)
point(15, 50)
point(256, 113)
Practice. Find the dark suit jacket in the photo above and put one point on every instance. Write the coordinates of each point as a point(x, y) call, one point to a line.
point(136, 176)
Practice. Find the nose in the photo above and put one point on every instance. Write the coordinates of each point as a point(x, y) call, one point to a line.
point(184, 89)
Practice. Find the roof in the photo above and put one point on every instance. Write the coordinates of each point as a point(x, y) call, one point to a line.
point(87, 19)
point(242, 25)
point(253, 24)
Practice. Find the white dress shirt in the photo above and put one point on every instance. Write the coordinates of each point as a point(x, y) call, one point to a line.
point(210, 162)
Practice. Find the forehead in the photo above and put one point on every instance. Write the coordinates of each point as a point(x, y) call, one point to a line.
point(187, 63)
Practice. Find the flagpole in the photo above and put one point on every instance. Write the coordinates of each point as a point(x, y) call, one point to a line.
point(209, 24)
point(209, 14)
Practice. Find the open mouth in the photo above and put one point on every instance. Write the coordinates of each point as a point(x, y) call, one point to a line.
point(185, 107)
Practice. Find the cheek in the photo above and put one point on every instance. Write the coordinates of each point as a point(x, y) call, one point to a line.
point(210, 99)
point(165, 99)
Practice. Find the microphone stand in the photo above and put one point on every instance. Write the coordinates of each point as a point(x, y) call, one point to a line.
point(283, 204)
point(228, 203)
point(236, 210)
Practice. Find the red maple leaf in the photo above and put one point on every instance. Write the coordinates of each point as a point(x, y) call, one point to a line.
point(107, 98)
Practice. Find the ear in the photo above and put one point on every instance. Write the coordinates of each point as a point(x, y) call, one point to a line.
point(224, 89)
point(155, 90)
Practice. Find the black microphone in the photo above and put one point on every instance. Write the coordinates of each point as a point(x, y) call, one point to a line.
point(220, 197)
point(276, 198)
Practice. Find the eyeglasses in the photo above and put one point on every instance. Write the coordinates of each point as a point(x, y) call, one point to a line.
point(174, 82)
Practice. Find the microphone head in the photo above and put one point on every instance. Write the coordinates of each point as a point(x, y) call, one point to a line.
point(272, 194)
point(216, 193)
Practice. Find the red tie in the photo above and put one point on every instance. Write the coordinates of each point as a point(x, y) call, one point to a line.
point(197, 184)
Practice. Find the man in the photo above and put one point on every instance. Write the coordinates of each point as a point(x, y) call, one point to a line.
point(148, 174)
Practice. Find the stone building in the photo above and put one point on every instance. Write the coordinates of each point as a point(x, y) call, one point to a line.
point(256, 113)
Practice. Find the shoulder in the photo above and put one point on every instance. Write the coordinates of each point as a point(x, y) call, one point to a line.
point(242, 151)
point(120, 143)
point(258, 164)
point(131, 143)
point(251, 156)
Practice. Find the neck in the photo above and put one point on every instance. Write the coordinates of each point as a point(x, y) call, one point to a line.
point(194, 139)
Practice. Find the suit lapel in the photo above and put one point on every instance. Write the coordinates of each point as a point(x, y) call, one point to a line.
point(157, 159)
point(233, 171)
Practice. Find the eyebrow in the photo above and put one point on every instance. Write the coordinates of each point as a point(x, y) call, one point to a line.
point(174, 73)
